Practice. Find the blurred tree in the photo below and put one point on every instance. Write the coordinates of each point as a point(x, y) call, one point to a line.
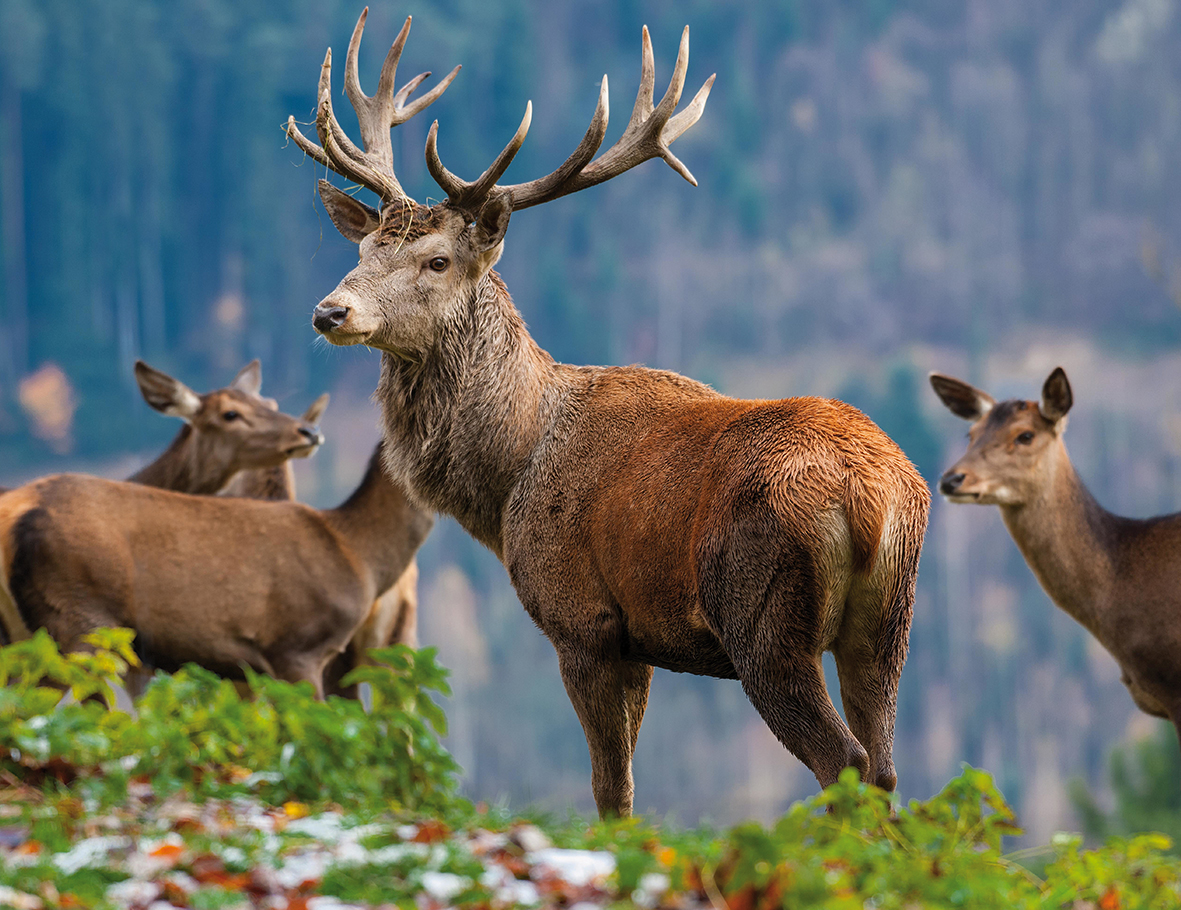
point(1146, 781)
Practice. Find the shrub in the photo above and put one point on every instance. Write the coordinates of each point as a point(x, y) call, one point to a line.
point(193, 729)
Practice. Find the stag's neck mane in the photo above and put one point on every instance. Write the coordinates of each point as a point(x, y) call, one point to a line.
point(462, 425)
point(173, 470)
point(1072, 544)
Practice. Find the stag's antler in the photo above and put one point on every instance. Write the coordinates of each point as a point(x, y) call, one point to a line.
point(373, 168)
point(649, 133)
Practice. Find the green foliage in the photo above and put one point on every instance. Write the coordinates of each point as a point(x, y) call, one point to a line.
point(849, 845)
point(1128, 873)
point(1146, 780)
point(193, 730)
point(95, 784)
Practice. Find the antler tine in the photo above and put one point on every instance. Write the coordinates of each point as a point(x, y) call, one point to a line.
point(403, 113)
point(648, 134)
point(690, 115)
point(582, 155)
point(643, 106)
point(470, 196)
point(372, 167)
point(389, 67)
point(306, 145)
point(374, 171)
point(672, 95)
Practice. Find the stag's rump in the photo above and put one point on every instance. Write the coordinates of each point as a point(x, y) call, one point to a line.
point(807, 501)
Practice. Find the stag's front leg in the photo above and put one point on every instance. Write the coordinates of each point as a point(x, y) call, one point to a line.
point(609, 696)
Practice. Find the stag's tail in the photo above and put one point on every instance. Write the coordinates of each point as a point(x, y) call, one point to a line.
point(886, 502)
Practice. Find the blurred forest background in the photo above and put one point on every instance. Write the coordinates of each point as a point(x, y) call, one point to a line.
point(887, 187)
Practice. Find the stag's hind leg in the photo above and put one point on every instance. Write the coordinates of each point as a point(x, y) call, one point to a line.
point(788, 691)
point(869, 687)
point(765, 601)
point(871, 646)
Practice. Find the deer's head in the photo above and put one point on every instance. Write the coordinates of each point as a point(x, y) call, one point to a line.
point(1014, 447)
point(235, 428)
point(419, 265)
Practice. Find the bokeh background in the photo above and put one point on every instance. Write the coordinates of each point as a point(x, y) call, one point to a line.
point(988, 188)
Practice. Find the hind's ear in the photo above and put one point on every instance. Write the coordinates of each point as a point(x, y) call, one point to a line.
point(961, 399)
point(165, 394)
point(316, 409)
point(1056, 396)
point(249, 379)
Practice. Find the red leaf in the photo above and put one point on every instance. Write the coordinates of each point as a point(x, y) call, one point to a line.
point(431, 832)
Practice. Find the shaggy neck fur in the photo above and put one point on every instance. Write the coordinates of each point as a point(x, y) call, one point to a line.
point(463, 423)
point(174, 469)
point(1070, 542)
point(380, 524)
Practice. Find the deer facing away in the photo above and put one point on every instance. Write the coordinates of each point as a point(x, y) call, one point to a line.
point(394, 617)
point(644, 519)
point(278, 586)
point(1119, 577)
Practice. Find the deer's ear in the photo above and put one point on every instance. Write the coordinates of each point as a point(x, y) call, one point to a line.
point(960, 398)
point(316, 409)
point(249, 379)
point(492, 222)
point(1056, 396)
point(165, 394)
point(353, 218)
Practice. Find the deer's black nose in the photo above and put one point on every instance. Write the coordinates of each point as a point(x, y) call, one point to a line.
point(327, 318)
point(949, 483)
point(312, 435)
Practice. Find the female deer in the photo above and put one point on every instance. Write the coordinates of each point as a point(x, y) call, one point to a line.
point(1119, 577)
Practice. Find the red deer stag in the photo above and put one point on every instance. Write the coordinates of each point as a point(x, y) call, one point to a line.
point(1119, 577)
point(644, 519)
point(277, 586)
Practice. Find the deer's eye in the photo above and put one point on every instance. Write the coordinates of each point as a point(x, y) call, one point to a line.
point(228, 416)
point(1025, 438)
point(438, 264)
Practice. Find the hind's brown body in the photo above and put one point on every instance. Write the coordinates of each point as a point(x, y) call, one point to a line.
point(277, 586)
